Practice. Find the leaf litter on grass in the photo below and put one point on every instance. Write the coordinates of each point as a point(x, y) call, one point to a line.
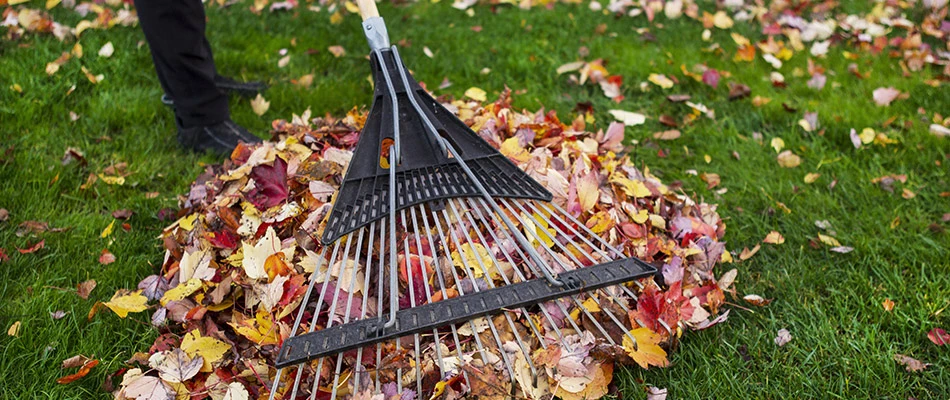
point(236, 268)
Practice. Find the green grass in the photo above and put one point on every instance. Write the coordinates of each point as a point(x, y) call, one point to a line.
point(843, 341)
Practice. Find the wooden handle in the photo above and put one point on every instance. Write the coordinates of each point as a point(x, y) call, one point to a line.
point(367, 9)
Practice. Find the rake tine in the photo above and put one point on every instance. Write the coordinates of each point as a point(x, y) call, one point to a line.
point(521, 277)
point(412, 298)
point(491, 284)
point(557, 303)
point(360, 368)
point(605, 310)
point(330, 312)
point(441, 280)
point(478, 340)
point(428, 292)
point(379, 299)
point(349, 303)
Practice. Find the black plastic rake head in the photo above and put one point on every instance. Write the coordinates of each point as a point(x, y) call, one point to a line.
point(431, 231)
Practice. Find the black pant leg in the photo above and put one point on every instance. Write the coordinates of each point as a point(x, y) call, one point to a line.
point(175, 32)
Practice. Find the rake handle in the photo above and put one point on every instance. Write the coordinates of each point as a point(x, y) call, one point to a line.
point(367, 9)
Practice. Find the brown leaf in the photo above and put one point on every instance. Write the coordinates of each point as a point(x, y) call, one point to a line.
point(910, 363)
point(712, 180)
point(756, 300)
point(738, 91)
point(83, 289)
point(787, 159)
point(667, 135)
point(747, 254)
point(75, 361)
point(678, 98)
point(774, 237)
point(668, 121)
point(122, 214)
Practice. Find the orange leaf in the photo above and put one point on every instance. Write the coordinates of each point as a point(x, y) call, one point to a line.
point(82, 372)
point(275, 265)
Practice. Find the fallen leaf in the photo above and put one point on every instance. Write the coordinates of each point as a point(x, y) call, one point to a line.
point(828, 240)
point(106, 257)
point(108, 230)
point(756, 300)
point(106, 50)
point(14, 329)
point(655, 393)
point(628, 118)
point(811, 177)
point(907, 194)
point(85, 287)
point(660, 80)
point(712, 180)
point(774, 238)
point(476, 94)
point(32, 249)
point(337, 51)
point(83, 371)
point(667, 135)
point(148, 388)
point(939, 336)
point(783, 337)
point(427, 51)
point(58, 314)
point(787, 159)
point(175, 366)
point(210, 350)
point(75, 361)
point(645, 351)
point(778, 144)
point(910, 363)
point(842, 249)
point(236, 391)
point(888, 304)
point(884, 96)
point(747, 254)
point(124, 303)
point(259, 105)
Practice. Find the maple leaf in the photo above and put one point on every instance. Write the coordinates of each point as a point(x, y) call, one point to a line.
point(645, 352)
point(123, 302)
point(210, 350)
point(153, 287)
point(141, 387)
point(85, 287)
point(175, 365)
point(270, 185)
point(938, 336)
point(255, 257)
point(259, 105)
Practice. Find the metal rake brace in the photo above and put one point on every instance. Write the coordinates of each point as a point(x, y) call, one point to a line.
point(421, 190)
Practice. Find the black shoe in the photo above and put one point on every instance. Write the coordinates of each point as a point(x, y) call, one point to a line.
point(227, 85)
point(220, 138)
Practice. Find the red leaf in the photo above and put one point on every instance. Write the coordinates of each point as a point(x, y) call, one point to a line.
point(106, 257)
point(711, 77)
point(82, 372)
point(270, 185)
point(223, 239)
point(939, 336)
point(35, 247)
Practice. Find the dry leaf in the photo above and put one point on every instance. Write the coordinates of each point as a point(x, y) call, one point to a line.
point(774, 238)
point(106, 50)
point(175, 366)
point(337, 51)
point(476, 94)
point(14, 329)
point(628, 118)
point(124, 303)
point(747, 254)
point(85, 287)
point(884, 96)
point(83, 371)
point(756, 300)
point(787, 159)
point(888, 304)
point(645, 352)
point(938, 336)
point(667, 135)
point(106, 257)
point(910, 363)
point(259, 105)
point(783, 337)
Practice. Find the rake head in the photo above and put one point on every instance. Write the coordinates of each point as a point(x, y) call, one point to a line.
point(443, 260)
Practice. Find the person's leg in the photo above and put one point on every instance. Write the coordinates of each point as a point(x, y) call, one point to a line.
point(175, 32)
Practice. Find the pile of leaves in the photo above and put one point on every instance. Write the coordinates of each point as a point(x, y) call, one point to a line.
point(240, 257)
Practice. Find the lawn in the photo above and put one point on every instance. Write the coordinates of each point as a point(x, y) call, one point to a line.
point(843, 340)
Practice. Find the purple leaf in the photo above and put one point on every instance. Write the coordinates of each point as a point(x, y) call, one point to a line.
point(153, 287)
point(711, 77)
point(270, 185)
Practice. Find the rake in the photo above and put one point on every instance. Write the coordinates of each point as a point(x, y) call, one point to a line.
point(440, 254)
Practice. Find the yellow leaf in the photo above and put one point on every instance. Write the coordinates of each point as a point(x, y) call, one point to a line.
point(476, 94)
point(829, 240)
point(122, 304)
point(600, 222)
point(210, 349)
point(787, 159)
point(867, 135)
point(52, 3)
point(908, 194)
point(641, 216)
point(259, 105)
point(888, 304)
point(14, 329)
point(181, 291)
point(438, 390)
point(351, 7)
point(108, 231)
point(534, 230)
point(188, 222)
point(595, 383)
point(660, 80)
point(473, 255)
point(260, 330)
point(631, 187)
point(812, 177)
point(336, 18)
point(740, 40)
point(645, 352)
point(722, 21)
point(112, 180)
point(512, 149)
point(778, 144)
